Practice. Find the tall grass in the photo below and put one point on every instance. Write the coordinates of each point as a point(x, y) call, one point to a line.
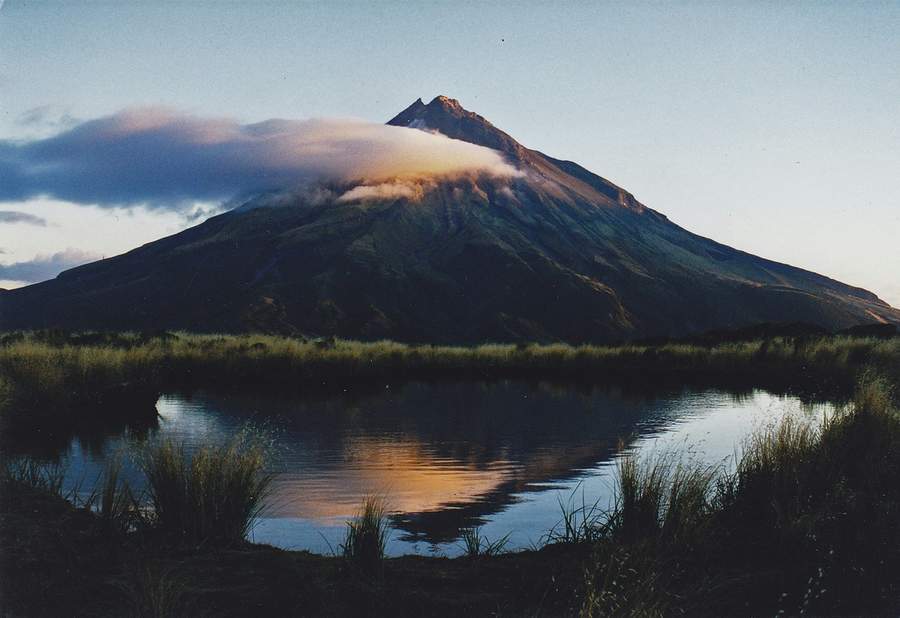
point(117, 506)
point(582, 523)
point(664, 498)
point(44, 373)
point(816, 503)
point(366, 536)
point(212, 497)
point(46, 477)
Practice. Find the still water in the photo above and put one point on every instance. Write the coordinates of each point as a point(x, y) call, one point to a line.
point(447, 455)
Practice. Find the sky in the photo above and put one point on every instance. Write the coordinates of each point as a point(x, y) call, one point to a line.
point(770, 127)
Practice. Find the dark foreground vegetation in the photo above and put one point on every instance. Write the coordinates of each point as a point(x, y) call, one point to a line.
point(805, 523)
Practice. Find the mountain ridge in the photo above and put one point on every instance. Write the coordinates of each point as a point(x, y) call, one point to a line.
point(556, 253)
point(448, 117)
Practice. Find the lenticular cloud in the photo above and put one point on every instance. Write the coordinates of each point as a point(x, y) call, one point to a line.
point(164, 159)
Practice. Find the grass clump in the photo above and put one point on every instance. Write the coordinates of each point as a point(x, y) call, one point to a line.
point(366, 537)
point(663, 498)
point(213, 497)
point(476, 545)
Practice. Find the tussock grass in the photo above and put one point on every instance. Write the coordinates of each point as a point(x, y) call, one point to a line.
point(815, 503)
point(366, 537)
point(47, 372)
point(212, 497)
point(663, 498)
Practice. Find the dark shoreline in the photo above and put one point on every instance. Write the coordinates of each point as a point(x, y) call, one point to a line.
point(57, 560)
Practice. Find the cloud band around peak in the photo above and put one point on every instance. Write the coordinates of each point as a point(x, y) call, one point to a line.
point(164, 159)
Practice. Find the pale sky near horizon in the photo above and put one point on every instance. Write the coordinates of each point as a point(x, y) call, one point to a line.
point(770, 127)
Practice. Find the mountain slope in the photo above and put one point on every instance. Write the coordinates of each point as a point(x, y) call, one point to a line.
point(557, 253)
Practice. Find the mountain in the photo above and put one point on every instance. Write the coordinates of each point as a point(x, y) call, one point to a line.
point(555, 253)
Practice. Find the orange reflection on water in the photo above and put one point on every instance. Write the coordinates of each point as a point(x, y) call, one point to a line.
point(407, 473)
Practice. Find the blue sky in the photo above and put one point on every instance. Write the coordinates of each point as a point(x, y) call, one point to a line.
point(772, 127)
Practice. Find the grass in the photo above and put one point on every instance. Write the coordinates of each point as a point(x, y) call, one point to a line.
point(151, 593)
point(805, 523)
point(476, 545)
point(46, 477)
point(578, 524)
point(364, 543)
point(119, 510)
point(64, 376)
point(213, 497)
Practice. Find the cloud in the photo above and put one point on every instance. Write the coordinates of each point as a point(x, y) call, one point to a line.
point(163, 159)
point(383, 191)
point(14, 216)
point(45, 267)
point(46, 117)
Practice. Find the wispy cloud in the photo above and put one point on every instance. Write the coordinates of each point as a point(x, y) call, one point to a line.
point(46, 118)
point(383, 191)
point(15, 216)
point(45, 267)
point(164, 159)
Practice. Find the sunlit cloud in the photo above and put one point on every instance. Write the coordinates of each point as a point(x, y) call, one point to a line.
point(383, 191)
point(162, 159)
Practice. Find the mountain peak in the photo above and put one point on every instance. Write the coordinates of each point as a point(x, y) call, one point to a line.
point(447, 116)
point(445, 102)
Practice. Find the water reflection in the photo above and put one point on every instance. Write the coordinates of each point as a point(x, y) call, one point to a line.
point(446, 455)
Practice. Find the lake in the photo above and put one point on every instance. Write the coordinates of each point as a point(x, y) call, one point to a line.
point(446, 455)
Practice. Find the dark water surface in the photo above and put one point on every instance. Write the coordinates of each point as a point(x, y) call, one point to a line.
point(447, 455)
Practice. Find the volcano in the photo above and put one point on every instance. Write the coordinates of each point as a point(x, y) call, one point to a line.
point(552, 253)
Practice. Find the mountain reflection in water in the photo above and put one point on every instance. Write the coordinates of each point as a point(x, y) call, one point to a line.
point(446, 455)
